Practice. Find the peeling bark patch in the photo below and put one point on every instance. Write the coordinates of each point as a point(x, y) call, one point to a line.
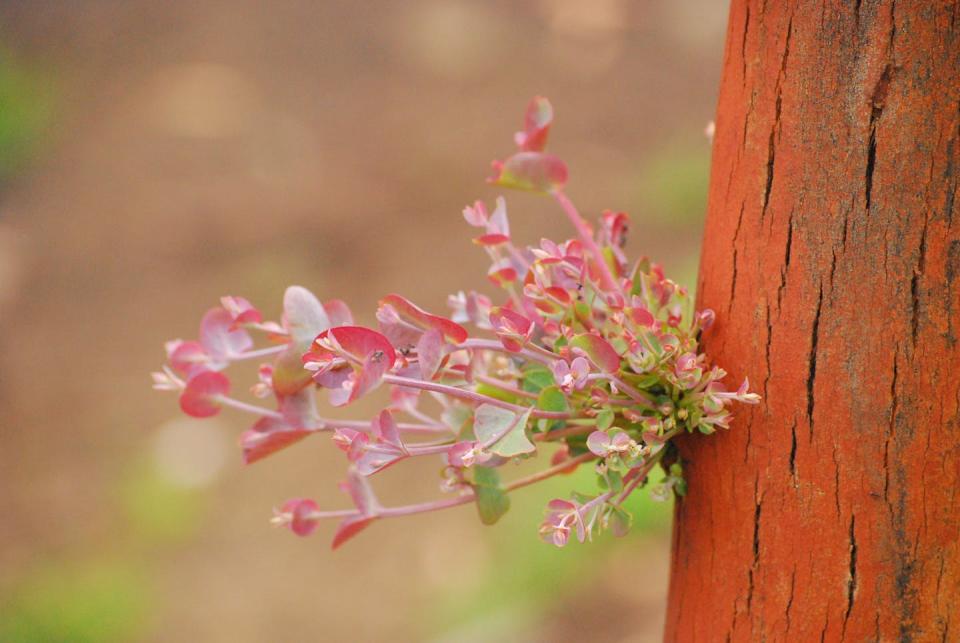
point(812, 361)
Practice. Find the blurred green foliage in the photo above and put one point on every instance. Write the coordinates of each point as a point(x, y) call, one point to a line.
point(527, 573)
point(96, 599)
point(673, 184)
point(99, 601)
point(26, 108)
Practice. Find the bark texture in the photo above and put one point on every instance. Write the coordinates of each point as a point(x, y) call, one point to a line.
point(831, 512)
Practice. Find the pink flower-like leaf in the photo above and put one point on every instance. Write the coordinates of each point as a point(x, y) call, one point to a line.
point(536, 125)
point(241, 311)
point(338, 313)
point(340, 345)
point(430, 353)
point(199, 398)
point(511, 327)
point(410, 312)
point(304, 317)
point(188, 358)
point(385, 428)
point(530, 171)
point(301, 511)
point(220, 337)
point(598, 350)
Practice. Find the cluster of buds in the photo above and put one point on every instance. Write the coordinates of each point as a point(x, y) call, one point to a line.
point(589, 357)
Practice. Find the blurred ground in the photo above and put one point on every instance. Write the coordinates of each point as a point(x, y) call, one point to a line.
point(154, 156)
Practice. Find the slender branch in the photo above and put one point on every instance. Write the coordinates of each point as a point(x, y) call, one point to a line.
point(503, 386)
point(436, 505)
point(473, 396)
point(586, 235)
point(544, 357)
point(263, 352)
point(247, 408)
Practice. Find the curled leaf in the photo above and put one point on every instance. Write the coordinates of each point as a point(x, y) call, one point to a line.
point(531, 171)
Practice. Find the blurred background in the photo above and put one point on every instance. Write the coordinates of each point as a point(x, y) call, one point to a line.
point(157, 155)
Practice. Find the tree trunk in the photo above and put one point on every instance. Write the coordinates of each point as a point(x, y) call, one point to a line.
point(831, 511)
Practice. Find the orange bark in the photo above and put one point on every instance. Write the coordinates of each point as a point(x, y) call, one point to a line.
point(831, 511)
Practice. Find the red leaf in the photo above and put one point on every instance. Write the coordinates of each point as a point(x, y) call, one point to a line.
point(536, 125)
point(349, 528)
point(451, 330)
point(197, 399)
point(532, 171)
point(360, 342)
point(599, 351)
point(268, 436)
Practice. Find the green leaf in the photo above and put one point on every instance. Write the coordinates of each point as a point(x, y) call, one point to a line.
point(458, 417)
point(503, 431)
point(492, 500)
point(536, 379)
point(552, 399)
point(496, 392)
point(605, 419)
point(619, 522)
point(599, 350)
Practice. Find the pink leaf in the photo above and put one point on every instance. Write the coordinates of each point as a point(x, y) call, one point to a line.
point(199, 397)
point(511, 327)
point(218, 338)
point(358, 342)
point(301, 510)
point(599, 351)
point(303, 315)
point(188, 358)
point(430, 353)
point(386, 429)
point(241, 311)
point(338, 312)
point(599, 443)
point(532, 171)
point(450, 329)
point(361, 493)
point(536, 125)
point(304, 318)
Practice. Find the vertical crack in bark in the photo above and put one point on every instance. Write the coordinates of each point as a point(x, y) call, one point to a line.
point(877, 101)
point(793, 586)
point(851, 576)
point(776, 127)
point(758, 506)
point(786, 263)
point(793, 450)
point(733, 279)
point(766, 380)
point(812, 361)
point(891, 428)
point(915, 284)
point(743, 46)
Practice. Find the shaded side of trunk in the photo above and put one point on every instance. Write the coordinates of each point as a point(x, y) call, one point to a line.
point(832, 256)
